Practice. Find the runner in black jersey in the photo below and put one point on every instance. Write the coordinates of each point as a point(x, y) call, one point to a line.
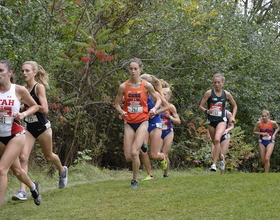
point(216, 99)
point(225, 140)
point(38, 127)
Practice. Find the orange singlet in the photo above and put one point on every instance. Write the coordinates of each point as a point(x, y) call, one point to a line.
point(266, 128)
point(135, 103)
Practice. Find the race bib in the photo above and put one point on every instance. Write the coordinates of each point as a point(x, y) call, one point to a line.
point(164, 123)
point(216, 109)
point(227, 136)
point(216, 113)
point(48, 125)
point(266, 138)
point(6, 120)
point(164, 126)
point(31, 119)
point(159, 125)
point(135, 109)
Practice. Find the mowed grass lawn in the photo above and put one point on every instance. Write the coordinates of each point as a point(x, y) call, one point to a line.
point(184, 195)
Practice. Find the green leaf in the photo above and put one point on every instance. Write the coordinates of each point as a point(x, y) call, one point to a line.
point(81, 44)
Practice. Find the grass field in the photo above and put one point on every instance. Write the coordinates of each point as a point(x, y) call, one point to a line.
point(96, 194)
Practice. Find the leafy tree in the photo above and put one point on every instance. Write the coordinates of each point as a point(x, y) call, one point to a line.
point(84, 45)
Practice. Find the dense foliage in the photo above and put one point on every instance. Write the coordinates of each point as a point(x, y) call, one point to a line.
point(85, 44)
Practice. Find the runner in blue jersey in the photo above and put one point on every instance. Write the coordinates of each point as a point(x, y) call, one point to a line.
point(167, 119)
point(153, 134)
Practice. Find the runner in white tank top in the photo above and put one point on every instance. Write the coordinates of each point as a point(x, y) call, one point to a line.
point(12, 137)
point(9, 105)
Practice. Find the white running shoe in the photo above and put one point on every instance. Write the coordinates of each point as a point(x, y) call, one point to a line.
point(213, 167)
point(21, 195)
point(222, 163)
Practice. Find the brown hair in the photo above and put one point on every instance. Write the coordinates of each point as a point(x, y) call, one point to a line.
point(135, 60)
point(9, 66)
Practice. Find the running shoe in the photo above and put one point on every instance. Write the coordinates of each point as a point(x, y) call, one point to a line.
point(21, 195)
point(149, 177)
point(222, 163)
point(213, 168)
point(134, 184)
point(144, 147)
point(163, 163)
point(63, 178)
point(36, 194)
point(165, 176)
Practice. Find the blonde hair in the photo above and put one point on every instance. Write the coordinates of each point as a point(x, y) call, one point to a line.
point(265, 111)
point(154, 81)
point(41, 74)
point(166, 86)
point(168, 90)
point(219, 75)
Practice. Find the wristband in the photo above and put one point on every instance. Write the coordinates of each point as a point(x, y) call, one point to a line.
point(24, 114)
point(206, 111)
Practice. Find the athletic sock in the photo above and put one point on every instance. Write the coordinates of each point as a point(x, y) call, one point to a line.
point(33, 187)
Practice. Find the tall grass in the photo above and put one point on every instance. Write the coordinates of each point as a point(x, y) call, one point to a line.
point(96, 194)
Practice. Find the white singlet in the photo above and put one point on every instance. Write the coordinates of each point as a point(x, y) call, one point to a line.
point(9, 104)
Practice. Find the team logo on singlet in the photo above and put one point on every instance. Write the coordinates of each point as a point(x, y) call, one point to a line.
point(216, 109)
point(134, 102)
point(138, 95)
point(10, 102)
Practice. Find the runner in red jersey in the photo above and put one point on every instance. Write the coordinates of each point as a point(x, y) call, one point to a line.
point(135, 113)
point(267, 130)
point(135, 103)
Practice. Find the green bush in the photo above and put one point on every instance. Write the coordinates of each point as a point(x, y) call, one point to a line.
point(195, 149)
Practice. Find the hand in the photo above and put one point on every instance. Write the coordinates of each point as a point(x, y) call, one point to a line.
point(232, 120)
point(123, 115)
point(210, 111)
point(166, 114)
point(265, 134)
point(152, 113)
point(18, 116)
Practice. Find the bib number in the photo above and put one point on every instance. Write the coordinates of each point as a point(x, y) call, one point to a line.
point(159, 125)
point(266, 138)
point(216, 113)
point(31, 119)
point(6, 120)
point(135, 109)
point(164, 126)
